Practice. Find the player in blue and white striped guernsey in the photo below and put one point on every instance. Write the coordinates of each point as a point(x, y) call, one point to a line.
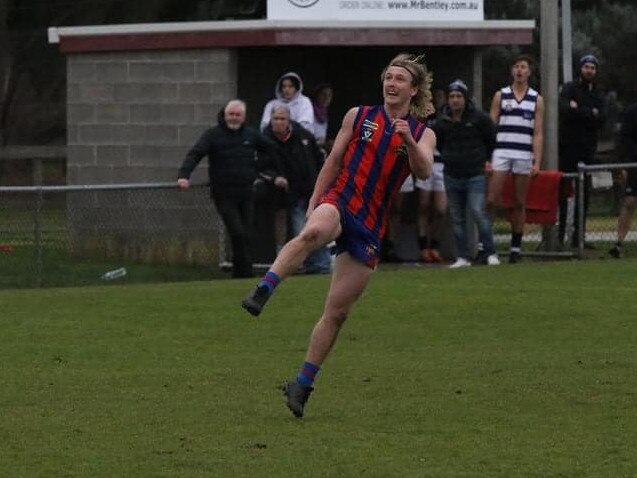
point(518, 112)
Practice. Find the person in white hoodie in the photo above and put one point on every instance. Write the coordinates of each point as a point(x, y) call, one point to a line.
point(289, 91)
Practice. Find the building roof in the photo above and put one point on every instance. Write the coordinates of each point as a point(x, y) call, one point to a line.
point(153, 36)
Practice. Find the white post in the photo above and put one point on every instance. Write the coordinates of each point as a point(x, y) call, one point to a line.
point(550, 79)
point(567, 42)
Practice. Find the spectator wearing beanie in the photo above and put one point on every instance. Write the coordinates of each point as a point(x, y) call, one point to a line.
point(582, 114)
point(466, 138)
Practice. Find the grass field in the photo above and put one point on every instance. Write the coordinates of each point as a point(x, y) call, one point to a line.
point(516, 371)
point(61, 269)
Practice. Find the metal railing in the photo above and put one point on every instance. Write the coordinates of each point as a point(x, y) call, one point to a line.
point(596, 233)
point(71, 235)
point(595, 230)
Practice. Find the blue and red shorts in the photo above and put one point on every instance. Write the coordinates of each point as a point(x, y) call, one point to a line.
point(355, 239)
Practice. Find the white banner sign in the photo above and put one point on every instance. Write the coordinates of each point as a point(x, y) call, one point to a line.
point(385, 10)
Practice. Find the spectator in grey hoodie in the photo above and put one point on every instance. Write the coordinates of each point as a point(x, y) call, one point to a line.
point(289, 91)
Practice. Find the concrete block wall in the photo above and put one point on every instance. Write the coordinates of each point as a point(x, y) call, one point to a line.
point(133, 115)
point(131, 118)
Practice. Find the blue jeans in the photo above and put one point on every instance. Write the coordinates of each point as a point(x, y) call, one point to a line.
point(319, 261)
point(469, 194)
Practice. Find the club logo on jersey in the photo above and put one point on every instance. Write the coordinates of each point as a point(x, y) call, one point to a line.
point(507, 105)
point(370, 250)
point(367, 130)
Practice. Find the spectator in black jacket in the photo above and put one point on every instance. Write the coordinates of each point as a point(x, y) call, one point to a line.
point(628, 137)
point(301, 160)
point(466, 138)
point(233, 151)
point(582, 115)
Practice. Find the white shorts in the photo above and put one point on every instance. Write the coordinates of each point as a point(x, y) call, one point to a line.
point(516, 166)
point(435, 182)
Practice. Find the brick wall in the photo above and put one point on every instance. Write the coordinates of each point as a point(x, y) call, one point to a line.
point(131, 118)
point(133, 115)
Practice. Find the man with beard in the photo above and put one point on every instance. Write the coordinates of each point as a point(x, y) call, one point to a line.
point(582, 115)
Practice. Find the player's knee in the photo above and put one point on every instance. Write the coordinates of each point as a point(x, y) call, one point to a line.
point(339, 316)
point(310, 235)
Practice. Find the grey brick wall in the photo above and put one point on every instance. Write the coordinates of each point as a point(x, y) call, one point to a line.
point(138, 108)
point(132, 116)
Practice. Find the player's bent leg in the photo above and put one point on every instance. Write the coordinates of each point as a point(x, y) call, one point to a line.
point(322, 227)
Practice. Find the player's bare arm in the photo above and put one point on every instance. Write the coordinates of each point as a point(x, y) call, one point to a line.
point(332, 165)
point(421, 153)
point(494, 111)
point(538, 136)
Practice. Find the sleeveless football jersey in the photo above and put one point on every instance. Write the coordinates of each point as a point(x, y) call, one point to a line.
point(375, 165)
point(516, 124)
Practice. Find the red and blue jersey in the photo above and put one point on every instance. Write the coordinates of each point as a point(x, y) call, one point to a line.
point(375, 165)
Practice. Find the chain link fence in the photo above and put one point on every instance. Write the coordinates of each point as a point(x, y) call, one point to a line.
point(72, 235)
point(606, 184)
point(596, 234)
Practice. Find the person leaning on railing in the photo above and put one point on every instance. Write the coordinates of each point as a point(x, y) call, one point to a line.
point(232, 147)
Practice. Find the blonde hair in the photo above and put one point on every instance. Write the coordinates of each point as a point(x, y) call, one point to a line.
point(421, 104)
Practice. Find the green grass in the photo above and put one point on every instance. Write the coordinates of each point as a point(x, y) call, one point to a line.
point(59, 269)
point(516, 371)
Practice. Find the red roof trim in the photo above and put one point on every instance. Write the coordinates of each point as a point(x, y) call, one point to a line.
point(295, 37)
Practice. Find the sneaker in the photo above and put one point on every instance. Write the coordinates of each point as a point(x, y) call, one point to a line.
point(460, 262)
point(435, 257)
point(256, 299)
point(615, 252)
point(514, 258)
point(296, 396)
point(493, 260)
